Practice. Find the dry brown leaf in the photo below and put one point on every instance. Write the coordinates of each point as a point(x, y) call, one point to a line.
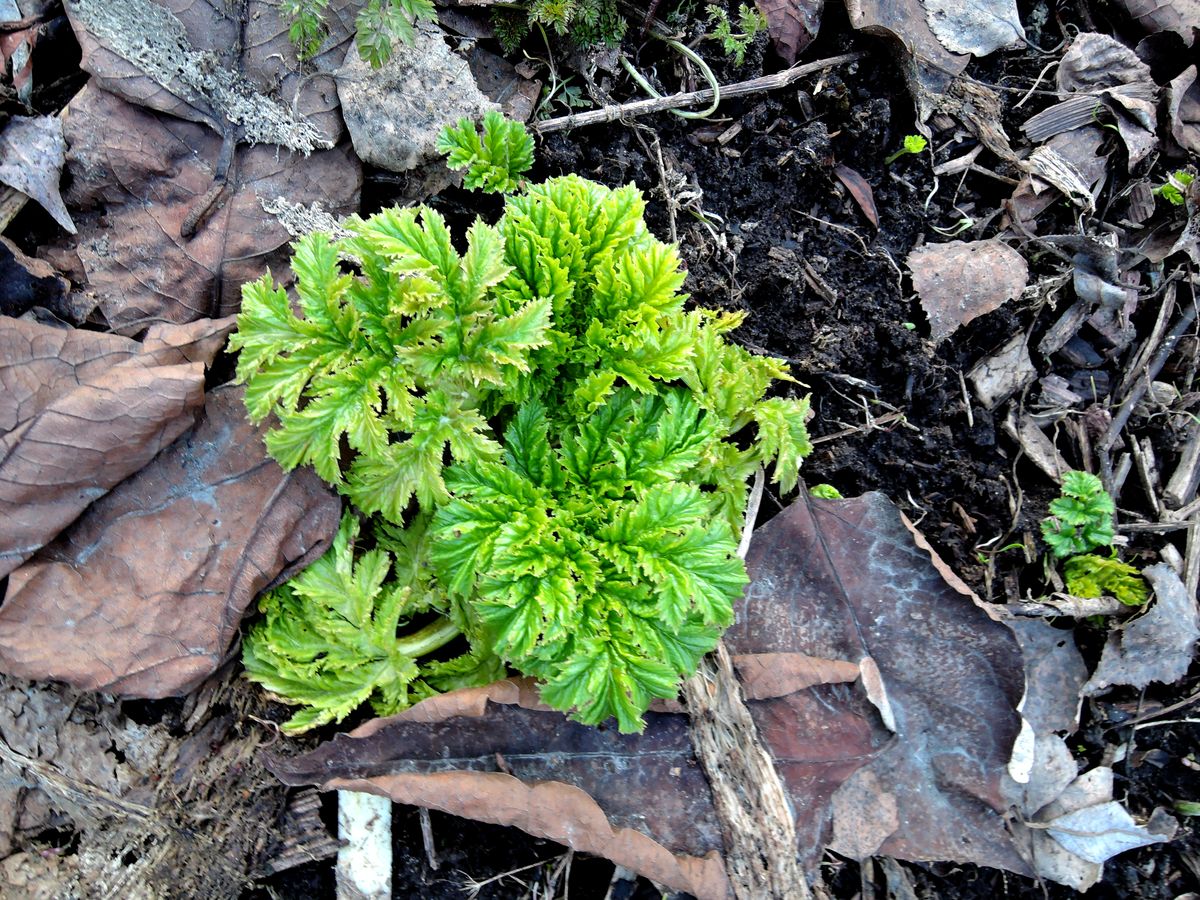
point(792, 24)
point(834, 582)
point(860, 190)
point(958, 282)
point(143, 595)
point(978, 27)
point(1157, 645)
point(180, 57)
point(1076, 151)
point(31, 160)
point(140, 176)
point(1180, 16)
point(1054, 674)
point(904, 21)
point(81, 411)
point(1183, 107)
point(26, 283)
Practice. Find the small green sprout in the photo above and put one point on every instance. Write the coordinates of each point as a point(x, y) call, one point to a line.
point(1081, 519)
point(1175, 187)
point(1090, 576)
point(825, 492)
point(735, 43)
point(913, 143)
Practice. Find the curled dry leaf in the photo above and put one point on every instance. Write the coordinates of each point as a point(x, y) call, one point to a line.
point(81, 411)
point(1157, 645)
point(141, 176)
point(142, 596)
point(904, 21)
point(1180, 16)
point(792, 24)
point(1183, 107)
point(860, 190)
point(26, 283)
point(960, 281)
point(32, 152)
point(195, 59)
point(978, 27)
point(837, 585)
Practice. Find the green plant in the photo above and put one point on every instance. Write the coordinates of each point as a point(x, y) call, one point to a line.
point(1174, 189)
point(554, 449)
point(1081, 519)
point(494, 162)
point(587, 22)
point(1089, 575)
point(328, 640)
point(735, 43)
point(825, 492)
point(378, 25)
point(306, 28)
point(913, 144)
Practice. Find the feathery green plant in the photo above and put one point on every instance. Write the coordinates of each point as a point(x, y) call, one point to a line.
point(553, 449)
point(735, 43)
point(1091, 575)
point(495, 160)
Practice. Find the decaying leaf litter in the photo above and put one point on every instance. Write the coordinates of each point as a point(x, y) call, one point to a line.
point(1087, 361)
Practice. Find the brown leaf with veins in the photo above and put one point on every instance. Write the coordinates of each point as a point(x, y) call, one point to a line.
point(837, 587)
point(960, 281)
point(140, 175)
point(143, 595)
point(181, 57)
point(31, 160)
point(792, 24)
point(81, 411)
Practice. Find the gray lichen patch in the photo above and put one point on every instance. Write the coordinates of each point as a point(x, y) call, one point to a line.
point(151, 38)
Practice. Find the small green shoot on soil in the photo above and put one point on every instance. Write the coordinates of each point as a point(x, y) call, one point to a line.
point(735, 43)
point(913, 143)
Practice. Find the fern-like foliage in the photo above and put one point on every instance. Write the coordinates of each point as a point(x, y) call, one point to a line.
point(495, 160)
point(588, 23)
point(306, 28)
point(1081, 519)
point(329, 639)
point(751, 23)
point(595, 565)
point(1091, 575)
point(592, 545)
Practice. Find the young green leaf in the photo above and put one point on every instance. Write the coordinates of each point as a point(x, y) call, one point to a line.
point(494, 161)
point(1090, 575)
point(329, 643)
point(1081, 519)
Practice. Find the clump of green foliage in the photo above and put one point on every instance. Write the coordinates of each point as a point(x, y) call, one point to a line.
point(494, 161)
point(552, 450)
point(587, 23)
point(1174, 189)
point(1090, 575)
point(1081, 519)
point(913, 143)
point(735, 43)
point(379, 24)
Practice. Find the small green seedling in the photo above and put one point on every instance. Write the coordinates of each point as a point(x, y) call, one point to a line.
point(735, 43)
point(1175, 187)
point(1089, 575)
point(1081, 520)
point(825, 492)
point(913, 144)
point(495, 160)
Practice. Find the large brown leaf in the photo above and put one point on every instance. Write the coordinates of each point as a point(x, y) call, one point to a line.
point(140, 175)
point(195, 59)
point(143, 595)
point(792, 24)
point(81, 411)
point(839, 589)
